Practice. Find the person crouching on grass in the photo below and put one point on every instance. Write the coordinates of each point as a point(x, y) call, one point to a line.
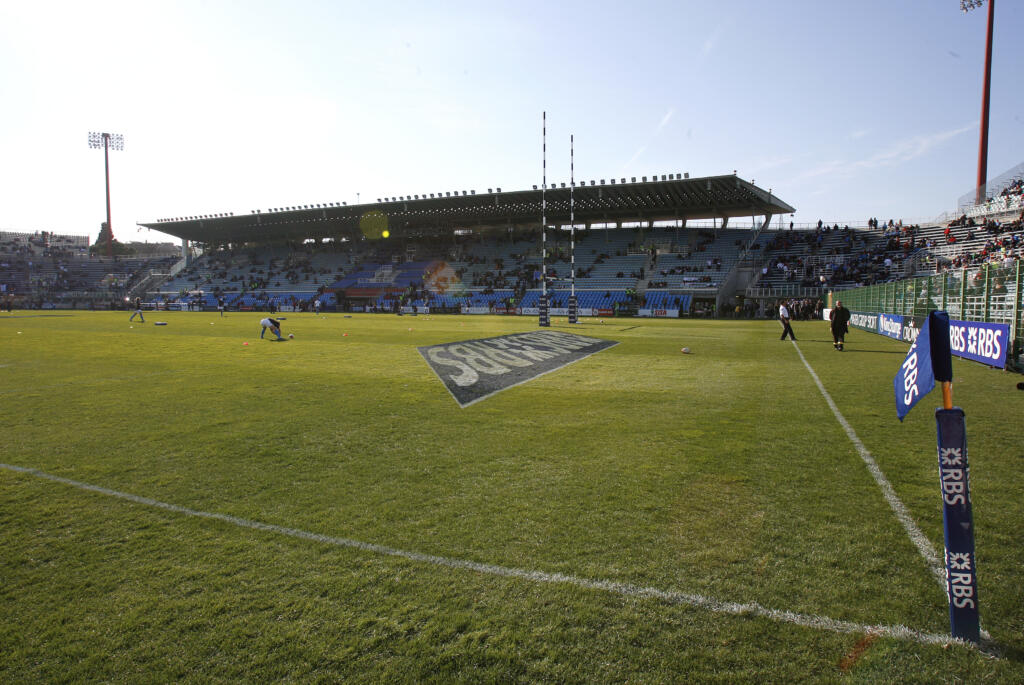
point(273, 324)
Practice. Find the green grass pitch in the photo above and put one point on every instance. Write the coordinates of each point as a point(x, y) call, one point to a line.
point(721, 475)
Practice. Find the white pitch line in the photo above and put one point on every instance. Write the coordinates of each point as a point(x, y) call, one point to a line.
point(672, 597)
point(923, 544)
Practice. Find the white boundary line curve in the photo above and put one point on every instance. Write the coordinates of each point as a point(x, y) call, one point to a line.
point(923, 544)
point(671, 597)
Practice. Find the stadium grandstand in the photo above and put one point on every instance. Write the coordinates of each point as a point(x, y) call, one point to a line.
point(662, 247)
point(659, 247)
point(44, 270)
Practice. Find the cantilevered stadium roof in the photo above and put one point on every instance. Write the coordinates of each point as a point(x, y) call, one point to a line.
point(671, 198)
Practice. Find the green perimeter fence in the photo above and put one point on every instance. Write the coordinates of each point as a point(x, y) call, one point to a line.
point(990, 294)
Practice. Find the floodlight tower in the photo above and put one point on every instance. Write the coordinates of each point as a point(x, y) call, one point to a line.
point(967, 6)
point(107, 141)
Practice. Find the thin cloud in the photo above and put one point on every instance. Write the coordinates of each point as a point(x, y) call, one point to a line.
point(911, 148)
point(657, 132)
point(823, 169)
point(710, 43)
point(665, 119)
point(900, 152)
point(636, 156)
point(770, 163)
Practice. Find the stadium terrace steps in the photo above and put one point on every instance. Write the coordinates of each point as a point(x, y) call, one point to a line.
point(473, 265)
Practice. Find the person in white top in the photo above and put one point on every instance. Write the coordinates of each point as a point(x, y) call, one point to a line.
point(273, 324)
point(784, 320)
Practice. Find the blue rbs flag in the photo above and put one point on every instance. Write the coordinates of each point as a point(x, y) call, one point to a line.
point(929, 359)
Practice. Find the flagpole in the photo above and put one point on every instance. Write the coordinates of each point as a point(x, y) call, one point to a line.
point(929, 360)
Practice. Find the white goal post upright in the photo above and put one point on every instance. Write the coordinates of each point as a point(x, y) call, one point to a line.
point(544, 318)
point(573, 307)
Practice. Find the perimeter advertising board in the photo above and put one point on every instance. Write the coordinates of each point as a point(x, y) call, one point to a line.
point(985, 343)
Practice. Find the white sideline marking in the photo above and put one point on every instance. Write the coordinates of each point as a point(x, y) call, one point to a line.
point(668, 596)
point(923, 544)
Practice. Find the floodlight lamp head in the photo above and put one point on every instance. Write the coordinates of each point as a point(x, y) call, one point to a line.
point(114, 141)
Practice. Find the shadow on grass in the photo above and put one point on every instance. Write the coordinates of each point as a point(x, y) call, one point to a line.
point(1009, 652)
point(853, 349)
point(896, 352)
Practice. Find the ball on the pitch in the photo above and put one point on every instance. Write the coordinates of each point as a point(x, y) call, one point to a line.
point(685, 350)
point(291, 335)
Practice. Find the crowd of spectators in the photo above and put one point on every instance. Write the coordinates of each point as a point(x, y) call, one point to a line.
point(251, 273)
point(1015, 188)
point(1004, 241)
point(830, 256)
point(43, 269)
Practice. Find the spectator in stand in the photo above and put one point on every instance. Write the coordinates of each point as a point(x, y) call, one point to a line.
point(998, 287)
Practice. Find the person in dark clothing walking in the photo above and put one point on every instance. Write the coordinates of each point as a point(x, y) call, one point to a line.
point(840, 318)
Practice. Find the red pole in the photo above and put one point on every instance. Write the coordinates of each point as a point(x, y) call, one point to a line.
point(106, 167)
point(981, 195)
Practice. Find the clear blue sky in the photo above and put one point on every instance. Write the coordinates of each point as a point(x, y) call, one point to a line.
point(845, 109)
